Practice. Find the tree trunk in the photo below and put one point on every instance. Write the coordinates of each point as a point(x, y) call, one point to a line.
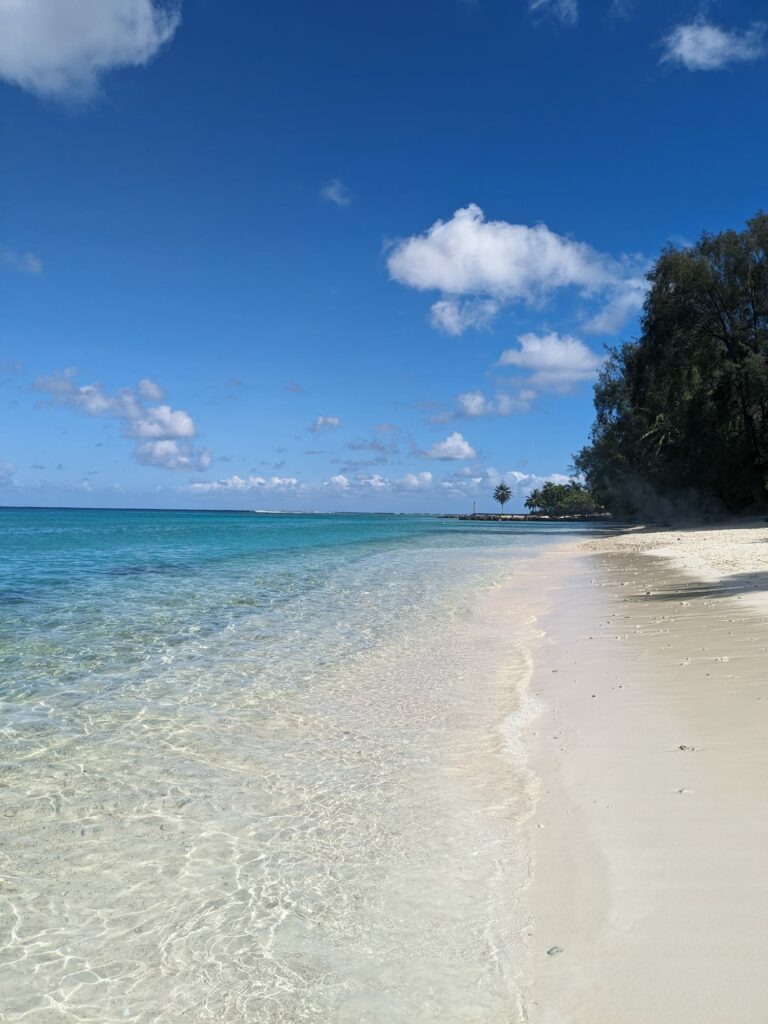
point(757, 470)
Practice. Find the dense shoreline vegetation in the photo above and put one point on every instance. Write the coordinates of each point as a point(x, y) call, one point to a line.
point(682, 412)
point(571, 499)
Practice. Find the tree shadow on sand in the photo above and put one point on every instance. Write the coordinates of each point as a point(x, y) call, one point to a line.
point(732, 586)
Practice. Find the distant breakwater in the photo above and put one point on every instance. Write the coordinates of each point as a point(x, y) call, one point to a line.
point(529, 517)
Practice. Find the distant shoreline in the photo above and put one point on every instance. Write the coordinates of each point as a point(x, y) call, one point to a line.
point(529, 517)
point(478, 516)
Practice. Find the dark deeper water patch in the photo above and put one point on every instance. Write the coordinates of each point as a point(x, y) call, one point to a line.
point(156, 569)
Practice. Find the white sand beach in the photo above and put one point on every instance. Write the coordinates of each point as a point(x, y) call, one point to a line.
point(649, 899)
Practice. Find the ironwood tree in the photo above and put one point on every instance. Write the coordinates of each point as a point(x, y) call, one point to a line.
point(682, 412)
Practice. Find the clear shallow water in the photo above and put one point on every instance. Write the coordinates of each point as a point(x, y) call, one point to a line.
point(254, 768)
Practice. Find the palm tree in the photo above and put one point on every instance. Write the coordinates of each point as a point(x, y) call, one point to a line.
point(534, 501)
point(502, 494)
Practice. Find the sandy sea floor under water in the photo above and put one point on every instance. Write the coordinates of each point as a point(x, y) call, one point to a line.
point(546, 805)
point(347, 851)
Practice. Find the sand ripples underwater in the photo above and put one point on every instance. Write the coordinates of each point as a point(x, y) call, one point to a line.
point(258, 777)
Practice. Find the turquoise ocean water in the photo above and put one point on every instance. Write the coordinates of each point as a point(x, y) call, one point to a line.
point(261, 768)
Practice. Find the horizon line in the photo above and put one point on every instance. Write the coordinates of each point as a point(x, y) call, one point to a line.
point(239, 511)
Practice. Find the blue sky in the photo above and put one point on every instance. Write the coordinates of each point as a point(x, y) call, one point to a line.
point(344, 255)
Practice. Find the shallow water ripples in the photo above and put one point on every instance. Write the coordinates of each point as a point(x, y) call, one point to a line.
point(317, 825)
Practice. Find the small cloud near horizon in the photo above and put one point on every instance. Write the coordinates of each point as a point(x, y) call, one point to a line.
point(162, 436)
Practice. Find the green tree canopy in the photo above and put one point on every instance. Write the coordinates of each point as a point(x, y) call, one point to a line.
point(571, 499)
point(682, 413)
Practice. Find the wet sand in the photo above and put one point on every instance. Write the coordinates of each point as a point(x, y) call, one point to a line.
point(649, 893)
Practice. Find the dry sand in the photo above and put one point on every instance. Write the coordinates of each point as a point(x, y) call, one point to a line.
point(734, 554)
point(650, 836)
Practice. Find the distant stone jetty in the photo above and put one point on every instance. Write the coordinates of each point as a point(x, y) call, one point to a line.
point(528, 517)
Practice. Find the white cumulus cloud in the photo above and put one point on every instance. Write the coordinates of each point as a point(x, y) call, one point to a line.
point(164, 436)
point(521, 484)
point(622, 304)
point(171, 454)
point(149, 389)
point(250, 483)
point(61, 48)
point(340, 484)
point(520, 402)
point(554, 362)
point(455, 446)
point(480, 483)
point(478, 265)
point(472, 404)
point(471, 255)
point(701, 46)
point(454, 316)
point(465, 482)
point(377, 483)
point(160, 421)
point(415, 482)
